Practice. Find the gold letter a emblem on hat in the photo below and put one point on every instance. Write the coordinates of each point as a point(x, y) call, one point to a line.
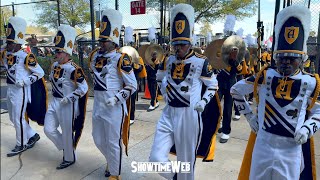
point(180, 25)
point(291, 34)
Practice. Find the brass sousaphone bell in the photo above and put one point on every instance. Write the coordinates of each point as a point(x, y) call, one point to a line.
point(141, 50)
point(253, 57)
point(150, 50)
point(218, 51)
point(132, 52)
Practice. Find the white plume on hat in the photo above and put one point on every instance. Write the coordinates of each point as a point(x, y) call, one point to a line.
point(240, 32)
point(152, 34)
point(69, 34)
point(188, 11)
point(300, 12)
point(251, 41)
point(229, 24)
point(128, 35)
point(19, 27)
point(115, 18)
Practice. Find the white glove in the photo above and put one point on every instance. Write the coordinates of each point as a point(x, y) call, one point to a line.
point(64, 100)
point(19, 83)
point(200, 106)
point(112, 101)
point(301, 136)
point(253, 121)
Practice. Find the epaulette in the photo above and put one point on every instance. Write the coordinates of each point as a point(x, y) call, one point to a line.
point(75, 65)
point(30, 60)
point(124, 63)
point(307, 73)
point(262, 72)
point(200, 55)
point(92, 54)
point(316, 92)
point(2, 55)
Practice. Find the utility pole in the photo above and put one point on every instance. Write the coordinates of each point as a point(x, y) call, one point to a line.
point(92, 24)
point(12, 8)
point(318, 49)
point(117, 5)
point(276, 11)
point(161, 22)
point(58, 6)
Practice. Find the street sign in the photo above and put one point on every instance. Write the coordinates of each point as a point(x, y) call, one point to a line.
point(138, 7)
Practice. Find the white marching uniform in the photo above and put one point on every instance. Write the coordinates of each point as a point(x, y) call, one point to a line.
point(181, 82)
point(282, 108)
point(68, 81)
point(20, 66)
point(113, 77)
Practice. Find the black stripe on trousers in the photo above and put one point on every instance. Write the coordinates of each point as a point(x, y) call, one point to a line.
point(120, 139)
point(73, 114)
point(198, 141)
point(21, 125)
point(72, 135)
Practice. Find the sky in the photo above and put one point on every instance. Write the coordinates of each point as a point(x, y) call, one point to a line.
point(249, 25)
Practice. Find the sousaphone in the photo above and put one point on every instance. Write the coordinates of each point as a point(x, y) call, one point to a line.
point(132, 52)
point(154, 48)
point(141, 50)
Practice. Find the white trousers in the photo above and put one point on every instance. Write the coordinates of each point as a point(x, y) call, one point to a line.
point(107, 122)
point(275, 158)
point(181, 127)
point(63, 115)
point(17, 99)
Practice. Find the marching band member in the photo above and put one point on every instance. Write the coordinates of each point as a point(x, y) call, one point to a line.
point(68, 104)
point(288, 113)
point(114, 83)
point(188, 85)
point(26, 93)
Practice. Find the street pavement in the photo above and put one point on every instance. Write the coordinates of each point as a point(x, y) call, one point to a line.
point(41, 161)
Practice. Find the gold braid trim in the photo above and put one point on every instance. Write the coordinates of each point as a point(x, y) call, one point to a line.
point(255, 86)
point(316, 93)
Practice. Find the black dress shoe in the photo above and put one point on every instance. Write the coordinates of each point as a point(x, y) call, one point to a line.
point(32, 141)
point(17, 150)
point(107, 172)
point(65, 164)
point(175, 177)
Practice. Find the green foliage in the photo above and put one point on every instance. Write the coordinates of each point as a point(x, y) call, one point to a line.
point(212, 10)
point(205, 29)
point(5, 12)
point(72, 12)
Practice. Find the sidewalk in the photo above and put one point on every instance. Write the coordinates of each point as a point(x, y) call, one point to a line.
point(40, 162)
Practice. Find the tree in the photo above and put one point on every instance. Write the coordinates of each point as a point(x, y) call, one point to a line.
point(205, 29)
point(5, 12)
point(313, 34)
point(72, 12)
point(212, 10)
